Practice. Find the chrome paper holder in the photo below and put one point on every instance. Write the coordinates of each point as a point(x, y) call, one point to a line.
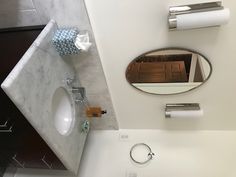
point(191, 8)
point(181, 107)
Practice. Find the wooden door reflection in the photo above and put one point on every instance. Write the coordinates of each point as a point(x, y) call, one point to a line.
point(157, 72)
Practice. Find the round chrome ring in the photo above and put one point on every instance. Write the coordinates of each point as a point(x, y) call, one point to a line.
point(149, 155)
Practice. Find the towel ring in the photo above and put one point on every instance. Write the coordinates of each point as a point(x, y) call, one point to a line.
point(149, 155)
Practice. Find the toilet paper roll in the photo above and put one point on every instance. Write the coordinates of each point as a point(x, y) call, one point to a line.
point(186, 114)
point(203, 19)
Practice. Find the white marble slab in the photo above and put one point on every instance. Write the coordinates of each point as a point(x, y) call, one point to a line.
point(19, 18)
point(31, 85)
point(88, 66)
point(13, 5)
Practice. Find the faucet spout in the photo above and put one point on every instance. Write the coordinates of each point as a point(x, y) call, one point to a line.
point(80, 95)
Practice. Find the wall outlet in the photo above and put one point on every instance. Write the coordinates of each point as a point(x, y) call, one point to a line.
point(123, 137)
point(131, 174)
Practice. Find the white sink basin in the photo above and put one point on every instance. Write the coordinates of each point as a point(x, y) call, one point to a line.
point(63, 111)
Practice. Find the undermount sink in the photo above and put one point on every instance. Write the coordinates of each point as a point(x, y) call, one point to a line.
point(62, 111)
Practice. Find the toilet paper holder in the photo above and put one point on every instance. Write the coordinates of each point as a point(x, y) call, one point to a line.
point(181, 107)
point(174, 11)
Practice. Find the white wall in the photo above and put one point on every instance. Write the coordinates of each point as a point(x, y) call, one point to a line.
point(177, 154)
point(125, 29)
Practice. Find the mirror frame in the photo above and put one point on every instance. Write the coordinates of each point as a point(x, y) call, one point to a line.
point(171, 48)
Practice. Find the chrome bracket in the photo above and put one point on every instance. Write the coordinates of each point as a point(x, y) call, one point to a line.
point(193, 8)
point(181, 107)
point(79, 93)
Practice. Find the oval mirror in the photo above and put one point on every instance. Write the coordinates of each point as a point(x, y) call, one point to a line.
point(168, 71)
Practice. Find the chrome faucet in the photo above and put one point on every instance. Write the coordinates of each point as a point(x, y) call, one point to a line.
point(79, 93)
point(69, 81)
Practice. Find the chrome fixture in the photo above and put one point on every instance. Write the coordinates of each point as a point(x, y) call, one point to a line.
point(149, 155)
point(193, 8)
point(69, 81)
point(80, 96)
point(79, 93)
point(181, 107)
point(197, 15)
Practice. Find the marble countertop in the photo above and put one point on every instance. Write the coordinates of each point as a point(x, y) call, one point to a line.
point(31, 85)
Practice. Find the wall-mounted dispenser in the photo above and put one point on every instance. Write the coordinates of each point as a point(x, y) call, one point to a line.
point(183, 110)
point(198, 16)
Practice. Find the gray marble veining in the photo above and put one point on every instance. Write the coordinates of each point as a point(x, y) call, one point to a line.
point(31, 85)
point(19, 13)
point(87, 65)
point(19, 18)
point(69, 13)
point(13, 5)
point(65, 13)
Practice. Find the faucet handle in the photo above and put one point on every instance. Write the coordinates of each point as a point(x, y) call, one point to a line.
point(69, 81)
point(80, 94)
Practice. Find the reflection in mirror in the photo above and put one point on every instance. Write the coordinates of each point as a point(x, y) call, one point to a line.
point(168, 71)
